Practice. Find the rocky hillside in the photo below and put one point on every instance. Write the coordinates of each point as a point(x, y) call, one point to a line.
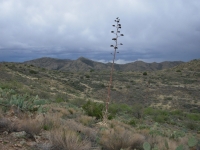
point(84, 64)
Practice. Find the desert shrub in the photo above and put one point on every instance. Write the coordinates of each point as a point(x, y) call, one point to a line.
point(144, 73)
point(154, 111)
point(76, 85)
point(86, 120)
point(91, 70)
point(120, 138)
point(193, 116)
point(137, 110)
point(132, 122)
point(4, 124)
point(102, 85)
point(87, 76)
point(85, 132)
point(93, 109)
point(71, 110)
point(79, 102)
point(50, 121)
point(192, 125)
point(176, 112)
point(149, 111)
point(65, 139)
point(168, 98)
point(160, 118)
point(111, 116)
point(31, 126)
point(40, 102)
point(33, 72)
point(43, 94)
point(160, 142)
point(117, 108)
point(59, 100)
point(47, 124)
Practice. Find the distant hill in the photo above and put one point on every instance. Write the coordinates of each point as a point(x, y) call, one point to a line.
point(193, 65)
point(84, 64)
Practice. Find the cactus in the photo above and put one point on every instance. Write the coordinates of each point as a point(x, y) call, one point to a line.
point(192, 141)
point(180, 147)
point(146, 146)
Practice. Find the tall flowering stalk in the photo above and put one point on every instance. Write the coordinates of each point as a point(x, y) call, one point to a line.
point(115, 46)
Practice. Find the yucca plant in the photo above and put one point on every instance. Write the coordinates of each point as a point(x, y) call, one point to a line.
point(117, 34)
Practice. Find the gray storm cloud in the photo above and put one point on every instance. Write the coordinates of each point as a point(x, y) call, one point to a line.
point(154, 30)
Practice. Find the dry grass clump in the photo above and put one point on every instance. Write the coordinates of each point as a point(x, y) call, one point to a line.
point(85, 131)
point(59, 110)
point(4, 124)
point(120, 138)
point(31, 126)
point(7, 125)
point(86, 120)
point(144, 132)
point(66, 139)
point(72, 111)
point(160, 142)
point(114, 123)
point(50, 121)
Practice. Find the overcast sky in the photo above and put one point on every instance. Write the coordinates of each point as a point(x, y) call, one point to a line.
point(155, 30)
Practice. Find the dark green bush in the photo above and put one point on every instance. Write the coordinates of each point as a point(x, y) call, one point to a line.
point(87, 76)
point(116, 108)
point(93, 109)
point(33, 72)
point(149, 111)
point(192, 125)
point(194, 117)
point(59, 100)
point(91, 70)
point(161, 118)
point(177, 112)
point(132, 122)
point(144, 73)
point(110, 117)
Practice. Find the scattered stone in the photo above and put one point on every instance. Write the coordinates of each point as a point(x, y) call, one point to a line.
point(5, 133)
point(31, 144)
point(22, 142)
point(37, 138)
point(18, 145)
point(18, 134)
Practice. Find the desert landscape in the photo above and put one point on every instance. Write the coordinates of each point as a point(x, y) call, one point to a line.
point(56, 104)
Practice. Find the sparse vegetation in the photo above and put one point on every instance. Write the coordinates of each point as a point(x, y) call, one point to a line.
point(55, 110)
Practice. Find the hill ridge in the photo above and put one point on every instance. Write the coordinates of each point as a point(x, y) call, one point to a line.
point(85, 64)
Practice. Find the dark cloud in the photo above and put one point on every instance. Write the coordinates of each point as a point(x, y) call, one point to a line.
point(154, 30)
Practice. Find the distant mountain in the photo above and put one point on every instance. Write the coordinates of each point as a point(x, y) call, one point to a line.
point(84, 64)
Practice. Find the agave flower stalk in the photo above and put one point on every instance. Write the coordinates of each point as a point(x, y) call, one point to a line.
point(115, 46)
